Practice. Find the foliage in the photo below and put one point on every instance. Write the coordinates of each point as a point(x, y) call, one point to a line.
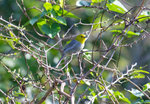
point(31, 45)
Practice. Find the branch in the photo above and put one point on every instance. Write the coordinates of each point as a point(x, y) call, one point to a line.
point(116, 81)
point(47, 93)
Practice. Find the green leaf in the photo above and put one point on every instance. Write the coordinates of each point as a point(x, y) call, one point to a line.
point(46, 29)
point(56, 8)
point(68, 69)
point(97, 1)
point(34, 20)
point(101, 87)
point(18, 102)
point(87, 82)
point(16, 40)
point(143, 18)
point(40, 23)
point(115, 8)
point(69, 14)
point(87, 55)
point(104, 96)
point(54, 14)
point(146, 87)
point(19, 94)
point(27, 23)
point(137, 75)
point(12, 34)
point(136, 92)
point(93, 93)
point(44, 13)
point(44, 102)
point(55, 28)
point(47, 6)
point(57, 11)
point(124, 99)
point(37, 18)
point(10, 42)
point(61, 20)
point(92, 74)
point(82, 82)
point(51, 31)
point(120, 96)
point(116, 31)
point(129, 34)
point(141, 71)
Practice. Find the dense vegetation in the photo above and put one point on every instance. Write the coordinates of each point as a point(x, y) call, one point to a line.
point(113, 67)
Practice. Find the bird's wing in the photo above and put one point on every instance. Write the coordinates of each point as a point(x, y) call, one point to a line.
point(68, 47)
point(71, 44)
point(72, 47)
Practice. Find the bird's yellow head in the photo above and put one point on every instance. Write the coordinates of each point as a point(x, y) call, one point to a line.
point(81, 38)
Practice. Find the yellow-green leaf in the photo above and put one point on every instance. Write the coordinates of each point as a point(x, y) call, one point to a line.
point(47, 6)
point(115, 8)
point(146, 87)
point(40, 23)
point(11, 34)
point(11, 43)
point(97, 1)
point(141, 71)
point(136, 92)
point(137, 75)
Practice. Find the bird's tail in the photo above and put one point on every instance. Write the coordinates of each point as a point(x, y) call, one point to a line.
point(59, 61)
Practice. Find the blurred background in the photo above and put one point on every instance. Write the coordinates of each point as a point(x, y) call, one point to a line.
point(126, 56)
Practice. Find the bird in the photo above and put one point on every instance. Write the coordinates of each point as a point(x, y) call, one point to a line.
point(74, 47)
